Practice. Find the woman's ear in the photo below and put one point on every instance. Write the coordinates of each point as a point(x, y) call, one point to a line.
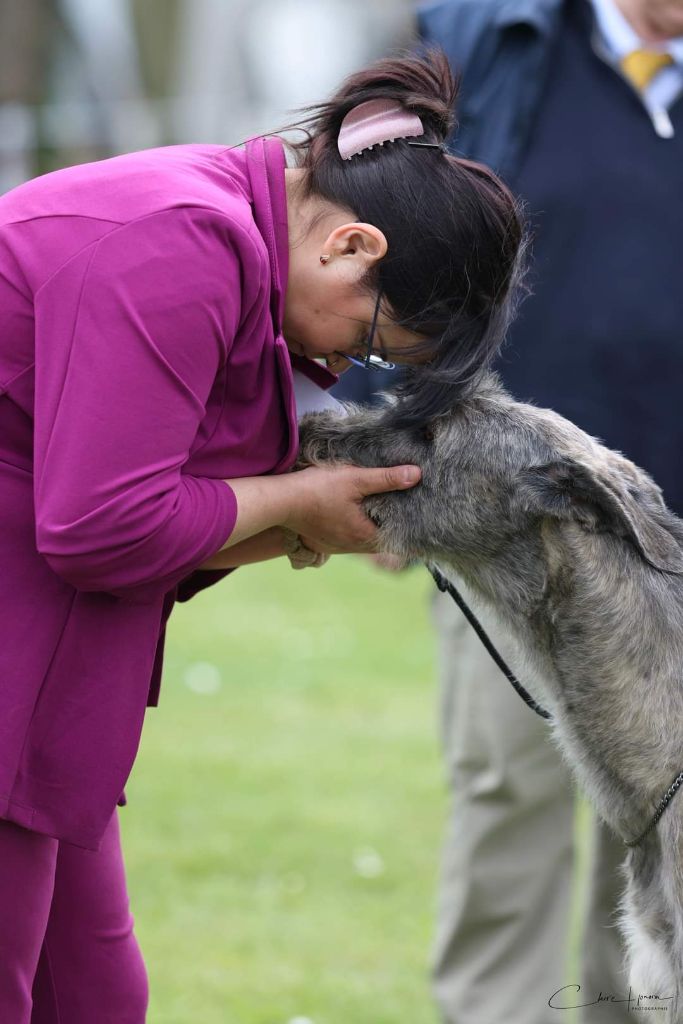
point(362, 241)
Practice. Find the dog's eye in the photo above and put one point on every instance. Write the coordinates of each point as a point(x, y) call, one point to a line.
point(424, 434)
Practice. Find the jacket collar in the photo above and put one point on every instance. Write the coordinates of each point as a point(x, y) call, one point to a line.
point(540, 14)
point(266, 168)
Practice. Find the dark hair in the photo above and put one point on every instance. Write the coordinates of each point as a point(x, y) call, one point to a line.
point(455, 232)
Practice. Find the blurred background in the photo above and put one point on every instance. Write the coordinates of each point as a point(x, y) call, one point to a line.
point(285, 811)
point(85, 79)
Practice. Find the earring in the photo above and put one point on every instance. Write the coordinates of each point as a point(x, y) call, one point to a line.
point(325, 258)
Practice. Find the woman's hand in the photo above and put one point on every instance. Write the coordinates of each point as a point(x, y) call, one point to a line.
point(328, 514)
point(321, 503)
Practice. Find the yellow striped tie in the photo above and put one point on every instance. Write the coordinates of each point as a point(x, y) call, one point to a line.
point(641, 66)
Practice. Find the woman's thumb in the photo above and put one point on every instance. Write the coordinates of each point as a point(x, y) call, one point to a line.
point(389, 478)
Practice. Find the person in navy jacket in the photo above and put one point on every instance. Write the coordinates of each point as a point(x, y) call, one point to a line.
point(577, 104)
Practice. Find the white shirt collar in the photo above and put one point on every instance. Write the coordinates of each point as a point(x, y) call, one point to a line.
point(621, 38)
point(311, 398)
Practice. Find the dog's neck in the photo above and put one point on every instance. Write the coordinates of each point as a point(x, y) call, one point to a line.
point(572, 614)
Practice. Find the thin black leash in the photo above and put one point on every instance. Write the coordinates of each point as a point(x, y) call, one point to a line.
point(445, 586)
point(661, 807)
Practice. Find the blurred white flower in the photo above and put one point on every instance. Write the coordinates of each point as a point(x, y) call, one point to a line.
point(300, 1020)
point(368, 863)
point(202, 677)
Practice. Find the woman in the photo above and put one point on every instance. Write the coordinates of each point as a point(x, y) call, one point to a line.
point(153, 309)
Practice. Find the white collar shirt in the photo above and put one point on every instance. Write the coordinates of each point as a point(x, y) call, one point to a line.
point(618, 38)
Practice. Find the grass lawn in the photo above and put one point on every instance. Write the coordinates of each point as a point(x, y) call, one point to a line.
point(286, 808)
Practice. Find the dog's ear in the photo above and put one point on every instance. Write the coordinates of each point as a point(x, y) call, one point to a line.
point(572, 490)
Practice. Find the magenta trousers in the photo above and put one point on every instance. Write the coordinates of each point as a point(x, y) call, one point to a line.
point(68, 954)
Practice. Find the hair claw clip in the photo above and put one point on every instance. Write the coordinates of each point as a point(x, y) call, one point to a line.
point(375, 122)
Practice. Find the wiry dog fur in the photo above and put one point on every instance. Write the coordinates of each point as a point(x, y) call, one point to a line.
point(573, 548)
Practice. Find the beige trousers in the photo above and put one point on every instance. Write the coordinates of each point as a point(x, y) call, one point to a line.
point(507, 889)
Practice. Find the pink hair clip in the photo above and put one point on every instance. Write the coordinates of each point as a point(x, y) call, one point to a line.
point(375, 122)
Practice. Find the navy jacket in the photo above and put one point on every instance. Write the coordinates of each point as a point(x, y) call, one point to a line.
point(502, 48)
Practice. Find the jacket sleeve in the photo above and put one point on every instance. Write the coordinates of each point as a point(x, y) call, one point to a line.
point(130, 334)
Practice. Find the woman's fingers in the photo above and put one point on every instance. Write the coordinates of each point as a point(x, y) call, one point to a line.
point(331, 515)
point(387, 478)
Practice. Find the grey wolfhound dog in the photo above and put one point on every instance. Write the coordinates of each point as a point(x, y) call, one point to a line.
point(573, 550)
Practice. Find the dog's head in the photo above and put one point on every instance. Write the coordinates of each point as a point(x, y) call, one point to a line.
point(496, 473)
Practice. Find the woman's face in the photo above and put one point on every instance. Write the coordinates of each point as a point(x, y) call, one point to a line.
point(326, 314)
point(327, 311)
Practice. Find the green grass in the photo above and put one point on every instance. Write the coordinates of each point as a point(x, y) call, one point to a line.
point(283, 830)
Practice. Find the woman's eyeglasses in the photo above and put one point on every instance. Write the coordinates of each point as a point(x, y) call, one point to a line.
point(371, 360)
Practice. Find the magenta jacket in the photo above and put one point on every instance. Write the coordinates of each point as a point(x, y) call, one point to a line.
point(141, 363)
